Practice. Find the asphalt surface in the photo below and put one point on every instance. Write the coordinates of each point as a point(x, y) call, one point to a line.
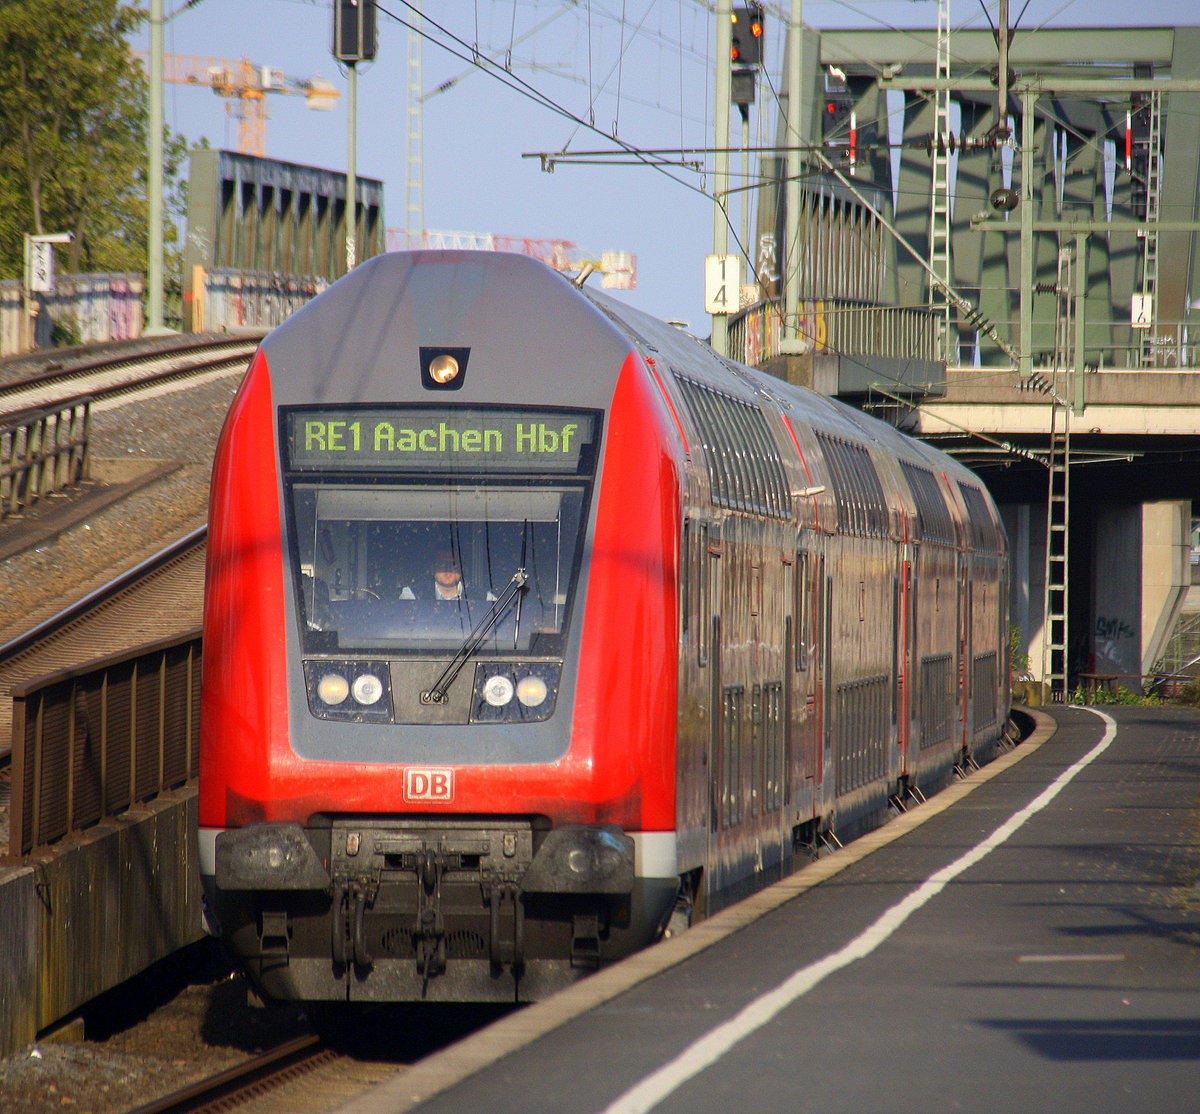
point(1027, 941)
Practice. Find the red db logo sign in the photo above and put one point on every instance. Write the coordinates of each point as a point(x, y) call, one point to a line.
point(429, 783)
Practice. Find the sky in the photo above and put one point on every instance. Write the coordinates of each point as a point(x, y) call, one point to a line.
point(578, 72)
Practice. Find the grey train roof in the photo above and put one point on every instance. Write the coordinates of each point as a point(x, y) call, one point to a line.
point(351, 341)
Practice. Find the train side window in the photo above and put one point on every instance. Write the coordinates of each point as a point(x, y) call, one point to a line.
point(801, 609)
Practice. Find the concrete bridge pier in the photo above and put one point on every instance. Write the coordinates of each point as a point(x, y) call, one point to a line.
point(1129, 573)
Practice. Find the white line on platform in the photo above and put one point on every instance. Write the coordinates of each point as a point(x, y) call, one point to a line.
point(1106, 957)
point(705, 1052)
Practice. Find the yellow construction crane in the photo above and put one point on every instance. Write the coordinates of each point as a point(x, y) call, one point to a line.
point(245, 87)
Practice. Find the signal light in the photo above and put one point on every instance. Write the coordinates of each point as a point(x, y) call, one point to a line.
point(840, 127)
point(746, 48)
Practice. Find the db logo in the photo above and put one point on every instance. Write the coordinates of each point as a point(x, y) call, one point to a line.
point(429, 783)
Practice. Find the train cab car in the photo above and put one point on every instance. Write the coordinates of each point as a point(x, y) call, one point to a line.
point(533, 626)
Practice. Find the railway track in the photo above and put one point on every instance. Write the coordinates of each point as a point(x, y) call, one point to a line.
point(294, 1059)
point(160, 597)
point(322, 1073)
point(113, 376)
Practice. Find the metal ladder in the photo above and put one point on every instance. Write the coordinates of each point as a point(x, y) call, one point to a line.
point(939, 198)
point(1148, 354)
point(1058, 536)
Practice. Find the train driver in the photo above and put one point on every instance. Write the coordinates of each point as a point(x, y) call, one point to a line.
point(446, 581)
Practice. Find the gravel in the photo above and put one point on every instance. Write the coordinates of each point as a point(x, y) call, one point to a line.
point(184, 1020)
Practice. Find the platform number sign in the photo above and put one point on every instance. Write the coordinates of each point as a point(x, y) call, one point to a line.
point(722, 283)
point(1142, 316)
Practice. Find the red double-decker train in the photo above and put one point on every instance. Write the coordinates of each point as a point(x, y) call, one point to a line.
point(533, 626)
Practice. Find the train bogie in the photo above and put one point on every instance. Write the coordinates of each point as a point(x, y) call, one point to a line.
point(551, 625)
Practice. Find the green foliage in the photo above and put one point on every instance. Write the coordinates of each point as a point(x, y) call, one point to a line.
point(1121, 695)
point(1018, 659)
point(1190, 693)
point(73, 110)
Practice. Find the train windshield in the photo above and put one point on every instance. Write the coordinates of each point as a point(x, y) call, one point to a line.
point(417, 568)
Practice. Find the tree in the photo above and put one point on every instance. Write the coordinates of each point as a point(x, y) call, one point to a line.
point(73, 118)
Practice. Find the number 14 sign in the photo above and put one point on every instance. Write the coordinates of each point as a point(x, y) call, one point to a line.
point(722, 283)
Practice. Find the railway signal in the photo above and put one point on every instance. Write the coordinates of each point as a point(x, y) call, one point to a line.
point(747, 42)
point(354, 35)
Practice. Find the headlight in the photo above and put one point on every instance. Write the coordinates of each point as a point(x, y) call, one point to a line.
point(531, 691)
point(367, 688)
point(515, 692)
point(333, 688)
point(498, 690)
point(349, 690)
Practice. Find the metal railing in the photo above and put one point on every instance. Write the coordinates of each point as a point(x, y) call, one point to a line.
point(91, 742)
point(42, 451)
point(830, 325)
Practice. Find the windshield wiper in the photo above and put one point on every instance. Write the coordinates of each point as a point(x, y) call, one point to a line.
point(437, 694)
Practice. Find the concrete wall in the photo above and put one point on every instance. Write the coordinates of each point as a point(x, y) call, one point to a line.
point(1116, 620)
point(1138, 582)
point(94, 911)
point(18, 958)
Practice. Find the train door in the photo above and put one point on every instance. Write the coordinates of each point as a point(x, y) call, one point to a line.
point(964, 596)
point(803, 669)
point(912, 658)
point(713, 550)
point(899, 652)
point(696, 709)
point(822, 686)
point(968, 607)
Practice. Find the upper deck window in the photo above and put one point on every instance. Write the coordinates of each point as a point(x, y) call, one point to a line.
point(745, 469)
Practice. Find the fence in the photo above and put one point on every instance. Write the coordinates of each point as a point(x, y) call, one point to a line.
point(42, 451)
point(91, 742)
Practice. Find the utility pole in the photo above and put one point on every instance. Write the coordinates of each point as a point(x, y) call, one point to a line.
point(720, 252)
point(352, 167)
point(154, 180)
point(791, 342)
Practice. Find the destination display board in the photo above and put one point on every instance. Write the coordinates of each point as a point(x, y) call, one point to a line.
point(439, 439)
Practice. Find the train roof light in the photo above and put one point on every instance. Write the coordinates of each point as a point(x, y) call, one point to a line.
point(443, 369)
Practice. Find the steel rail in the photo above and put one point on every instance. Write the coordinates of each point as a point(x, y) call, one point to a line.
point(60, 373)
point(103, 594)
point(128, 386)
point(244, 1081)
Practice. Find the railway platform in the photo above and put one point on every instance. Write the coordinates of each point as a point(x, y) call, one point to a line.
point(1027, 940)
